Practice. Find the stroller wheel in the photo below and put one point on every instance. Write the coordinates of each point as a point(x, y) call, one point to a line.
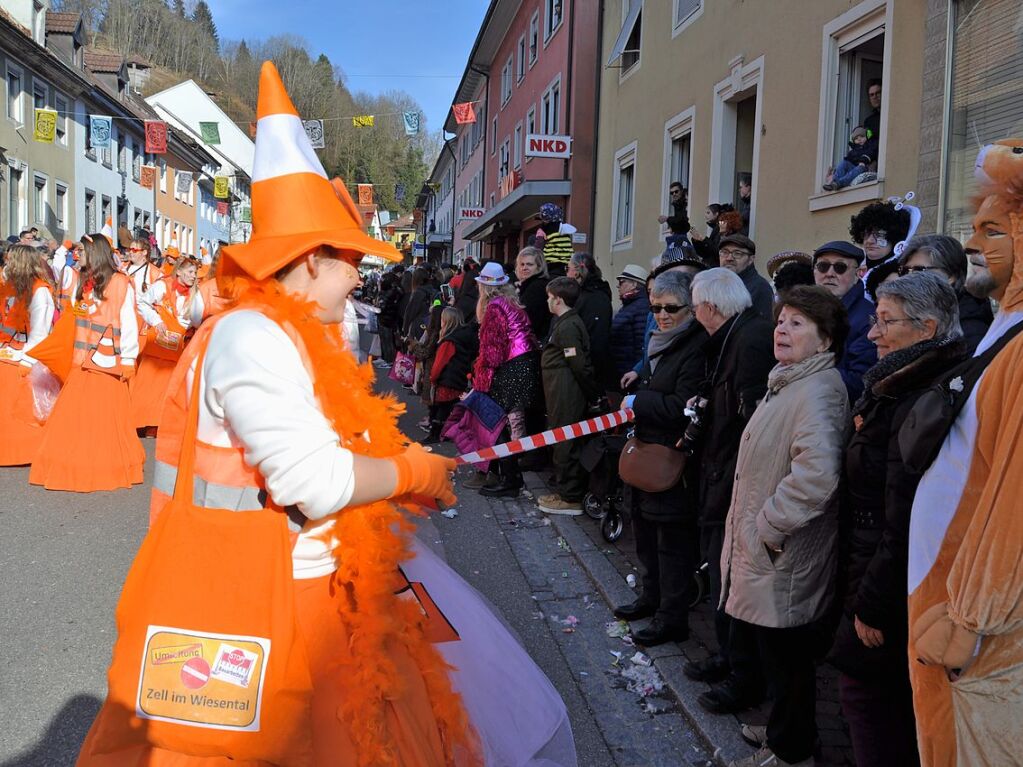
point(593, 507)
point(700, 585)
point(612, 527)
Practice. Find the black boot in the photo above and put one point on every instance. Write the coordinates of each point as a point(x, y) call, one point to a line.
point(510, 481)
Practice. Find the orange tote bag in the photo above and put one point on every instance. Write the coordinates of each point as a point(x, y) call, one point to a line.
point(207, 660)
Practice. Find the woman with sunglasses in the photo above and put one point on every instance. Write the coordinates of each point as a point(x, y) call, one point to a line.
point(945, 257)
point(664, 523)
point(140, 270)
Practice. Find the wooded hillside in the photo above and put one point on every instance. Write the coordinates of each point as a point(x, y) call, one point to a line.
point(182, 41)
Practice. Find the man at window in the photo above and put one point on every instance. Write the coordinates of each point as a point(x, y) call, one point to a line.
point(678, 221)
point(872, 122)
point(745, 193)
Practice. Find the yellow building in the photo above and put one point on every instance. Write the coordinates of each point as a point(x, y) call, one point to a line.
point(701, 92)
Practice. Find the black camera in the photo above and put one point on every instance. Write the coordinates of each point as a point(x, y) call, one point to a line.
point(694, 431)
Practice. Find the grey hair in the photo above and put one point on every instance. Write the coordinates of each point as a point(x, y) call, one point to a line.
point(926, 296)
point(676, 284)
point(946, 253)
point(724, 289)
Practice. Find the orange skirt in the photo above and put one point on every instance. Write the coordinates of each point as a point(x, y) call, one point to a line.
point(22, 433)
point(88, 442)
point(412, 727)
point(148, 390)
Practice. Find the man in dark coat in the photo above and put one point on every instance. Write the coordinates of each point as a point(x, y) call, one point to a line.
point(531, 273)
point(737, 253)
point(835, 267)
point(568, 386)
point(740, 354)
point(594, 306)
point(678, 221)
point(628, 326)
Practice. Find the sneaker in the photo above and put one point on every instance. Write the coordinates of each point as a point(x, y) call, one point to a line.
point(831, 186)
point(555, 504)
point(754, 734)
point(765, 757)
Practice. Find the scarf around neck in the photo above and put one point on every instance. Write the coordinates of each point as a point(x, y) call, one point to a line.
point(783, 375)
point(894, 362)
point(660, 340)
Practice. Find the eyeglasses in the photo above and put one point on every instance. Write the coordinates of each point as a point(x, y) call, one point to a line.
point(882, 323)
point(669, 308)
point(879, 235)
point(823, 267)
point(733, 253)
point(904, 270)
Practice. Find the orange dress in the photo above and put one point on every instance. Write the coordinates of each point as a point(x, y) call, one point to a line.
point(22, 431)
point(88, 443)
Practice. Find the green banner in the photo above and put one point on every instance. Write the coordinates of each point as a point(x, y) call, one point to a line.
point(210, 132)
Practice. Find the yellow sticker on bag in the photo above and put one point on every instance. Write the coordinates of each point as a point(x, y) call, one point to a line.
point(202, 679)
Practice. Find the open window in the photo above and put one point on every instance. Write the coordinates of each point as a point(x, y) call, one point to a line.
point(626, 48)
point(553, 16)
point(686, 12)
point(678, 141)
point(550, 108)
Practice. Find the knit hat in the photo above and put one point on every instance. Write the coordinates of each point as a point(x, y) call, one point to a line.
point(858, 131)
point(492, 275)
point(295, 208)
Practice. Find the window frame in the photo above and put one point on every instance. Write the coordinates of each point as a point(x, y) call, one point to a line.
point(549, 30)
point(61, 204)
point(90, 222)
point(625, 157)
point(493, 137)
point(676, 127)
point(507, 84)
point(39, 196)
point(625, 72)
point(518, 145)
point(551, 96)
point(37, 84)
point(678, 26)
point(859, 23)
point(520, 59)
point(534, 38)
point(18, 119)
point(504, 168)
point(62, 118)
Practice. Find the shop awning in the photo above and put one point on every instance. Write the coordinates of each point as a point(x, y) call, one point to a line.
point(523, 202)
point(438, 238)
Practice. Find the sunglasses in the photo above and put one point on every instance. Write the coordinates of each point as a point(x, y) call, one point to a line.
point(136, 250)
point(669, 308)
point(904, 270)
point(823, 267)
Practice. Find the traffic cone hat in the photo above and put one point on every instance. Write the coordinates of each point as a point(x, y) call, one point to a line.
point(295, 208)
point(108, 231)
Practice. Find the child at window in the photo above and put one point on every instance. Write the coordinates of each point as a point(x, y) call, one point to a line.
point(857, 161)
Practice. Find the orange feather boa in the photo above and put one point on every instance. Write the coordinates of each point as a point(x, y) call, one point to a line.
point(370, 541)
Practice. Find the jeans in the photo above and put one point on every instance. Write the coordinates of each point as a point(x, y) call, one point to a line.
point(667, 558)
point(846, 172)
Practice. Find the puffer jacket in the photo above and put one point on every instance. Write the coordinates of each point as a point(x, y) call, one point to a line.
point(628, 332)
point(786, 488)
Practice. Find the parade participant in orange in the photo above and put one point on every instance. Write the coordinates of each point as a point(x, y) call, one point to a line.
point(88, 442)
point(142, 272)
point(27, 311)
point(168, 309)
point(171, 254)
point(278, 470)
point(66, 274)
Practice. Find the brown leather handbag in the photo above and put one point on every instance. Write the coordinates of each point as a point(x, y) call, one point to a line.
point(650, 467)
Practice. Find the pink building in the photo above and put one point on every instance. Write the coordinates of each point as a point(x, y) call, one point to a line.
point(534, 70)
point(469, 150)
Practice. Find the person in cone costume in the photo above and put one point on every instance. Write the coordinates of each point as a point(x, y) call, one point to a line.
point(170, 308)
point(323, 633)
point(27, 311)
point(965, 582)
point(88, 442)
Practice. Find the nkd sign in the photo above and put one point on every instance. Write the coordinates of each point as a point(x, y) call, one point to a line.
point(539, 145)
point(469, 214)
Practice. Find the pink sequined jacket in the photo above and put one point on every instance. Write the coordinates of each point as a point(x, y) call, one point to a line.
point(505, 333)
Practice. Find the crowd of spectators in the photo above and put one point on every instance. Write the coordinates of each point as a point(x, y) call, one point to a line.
point(784, 395)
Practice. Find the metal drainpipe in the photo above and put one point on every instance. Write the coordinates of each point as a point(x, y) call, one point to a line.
point(454, 158)
point(597, 85)
point(568, 88)
point(486, 131)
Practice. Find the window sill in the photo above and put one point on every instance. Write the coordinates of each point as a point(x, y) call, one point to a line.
point(621, 245)
point(687, 22)
point(547, 38)
point(625, 74)
point(848, 196)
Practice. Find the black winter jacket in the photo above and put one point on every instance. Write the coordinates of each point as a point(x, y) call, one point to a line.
point(594, 306)
point(975, 317)
point(874, 531)
point(628, 332)
point(417, 313)
point(733, 387)
point(389, 305)
point(659, 406)
point(707, 248)
point(466, 340)
point(533, 295)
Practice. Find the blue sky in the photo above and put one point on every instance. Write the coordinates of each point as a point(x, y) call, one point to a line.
point(378, 43)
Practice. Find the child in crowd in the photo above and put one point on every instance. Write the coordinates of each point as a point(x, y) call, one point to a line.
point(457, 347)
point(857, 161)
point(568, 384)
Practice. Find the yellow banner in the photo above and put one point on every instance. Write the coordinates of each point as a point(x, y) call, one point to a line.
point(363, 121)
point(200, 679)
point(221, 190)
point(45, 126)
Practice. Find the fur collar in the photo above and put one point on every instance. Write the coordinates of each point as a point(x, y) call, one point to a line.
point(913, 368)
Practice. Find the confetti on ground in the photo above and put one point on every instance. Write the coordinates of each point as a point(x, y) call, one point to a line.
point(617, 629)
point(563, 544)
point(640, 659)
point(449, 513)
point(643, 680)
point(631, 580)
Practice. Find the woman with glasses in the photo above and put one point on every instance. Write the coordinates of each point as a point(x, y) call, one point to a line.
point(877, 228)
point(945, 257)
point(140, 270)
point(916, 331)
point(664, 523)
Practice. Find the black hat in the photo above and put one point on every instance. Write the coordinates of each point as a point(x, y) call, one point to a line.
point(741, 240)
point(840, 248)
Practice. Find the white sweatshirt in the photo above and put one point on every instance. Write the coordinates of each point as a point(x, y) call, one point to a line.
point(186, 314)
point(40, 317)
point(257, 394)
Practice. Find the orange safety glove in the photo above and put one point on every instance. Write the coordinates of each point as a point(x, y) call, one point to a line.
point(938, 640)
point(423, 473)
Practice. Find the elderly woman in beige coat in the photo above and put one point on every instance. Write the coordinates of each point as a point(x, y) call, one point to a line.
point(778, 561)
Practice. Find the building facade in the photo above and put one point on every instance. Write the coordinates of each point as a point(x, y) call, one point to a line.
point(541, 79)
point(702, 92)
point(437, 203)
point(470, 171)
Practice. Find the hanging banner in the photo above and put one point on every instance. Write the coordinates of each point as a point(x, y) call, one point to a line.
point(45, 126)
point(464, 113)
point(245, 215)
point(221, 188)
point(210, 132)
point(314, 130)
point(222, 208)
point(363, 121)
point(99, 131)
point(183, 181)
point(411, 120)
point(156, 137)
point(399, 192)
point(147, 176)
point(365, 194)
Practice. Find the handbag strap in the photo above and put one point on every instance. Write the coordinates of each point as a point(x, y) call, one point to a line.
point(186, 458)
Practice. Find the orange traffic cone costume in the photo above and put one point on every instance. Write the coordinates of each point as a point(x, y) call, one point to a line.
point(23, 325)
point(88, 442)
